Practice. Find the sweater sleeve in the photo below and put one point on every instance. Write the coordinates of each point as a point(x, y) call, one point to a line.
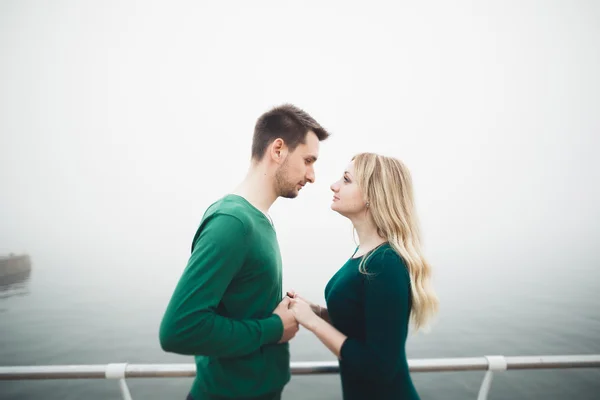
point(387, 308)
point(191, 324)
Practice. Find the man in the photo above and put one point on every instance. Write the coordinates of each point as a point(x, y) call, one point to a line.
point(227, 309)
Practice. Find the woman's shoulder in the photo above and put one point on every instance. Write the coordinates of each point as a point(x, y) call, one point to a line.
point(387, 262)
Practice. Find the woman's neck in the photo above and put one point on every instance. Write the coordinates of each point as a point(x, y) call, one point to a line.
point(368, 237)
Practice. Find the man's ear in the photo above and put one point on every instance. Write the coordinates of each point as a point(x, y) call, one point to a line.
point(278, 150)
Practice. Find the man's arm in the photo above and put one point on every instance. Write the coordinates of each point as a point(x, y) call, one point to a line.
point(191, 325)
point(323, 313)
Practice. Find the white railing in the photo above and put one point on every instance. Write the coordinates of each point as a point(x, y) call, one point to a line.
point(122, 371)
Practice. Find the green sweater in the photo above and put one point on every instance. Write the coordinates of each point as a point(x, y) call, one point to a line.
point(221, 310)
point(373, 312)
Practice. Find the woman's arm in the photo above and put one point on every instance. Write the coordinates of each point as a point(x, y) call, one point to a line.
point(387, 309)
point(380, 354)
point(328, 335)
point(325, 332)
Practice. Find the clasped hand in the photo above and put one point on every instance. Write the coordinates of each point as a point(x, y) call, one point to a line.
point(303, 310)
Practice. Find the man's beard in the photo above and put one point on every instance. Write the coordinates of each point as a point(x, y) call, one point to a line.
point(283, 186)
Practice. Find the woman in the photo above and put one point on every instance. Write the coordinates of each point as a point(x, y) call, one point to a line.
point(382, 287)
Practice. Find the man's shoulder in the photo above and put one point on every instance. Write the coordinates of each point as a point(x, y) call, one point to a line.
point(225, 218)
point(230, 210)
point(227, 207)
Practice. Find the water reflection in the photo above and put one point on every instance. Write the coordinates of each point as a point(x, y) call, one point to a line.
point(15, 284)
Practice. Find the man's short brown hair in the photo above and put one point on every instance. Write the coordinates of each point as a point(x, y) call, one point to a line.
point(287, 122)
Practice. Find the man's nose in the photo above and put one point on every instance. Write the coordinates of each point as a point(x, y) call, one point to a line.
point(310, 176)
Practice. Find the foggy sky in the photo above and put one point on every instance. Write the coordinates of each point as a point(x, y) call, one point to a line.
point(122, 121)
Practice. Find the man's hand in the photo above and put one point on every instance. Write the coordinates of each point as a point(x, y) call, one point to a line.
point(290, 325)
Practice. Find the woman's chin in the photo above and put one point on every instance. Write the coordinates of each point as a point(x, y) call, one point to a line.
point(335, 208)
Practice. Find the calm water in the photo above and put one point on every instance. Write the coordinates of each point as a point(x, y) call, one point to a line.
point(65, 314)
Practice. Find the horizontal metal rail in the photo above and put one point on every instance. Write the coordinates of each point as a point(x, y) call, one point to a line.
point(121, 371)
point(98, 371)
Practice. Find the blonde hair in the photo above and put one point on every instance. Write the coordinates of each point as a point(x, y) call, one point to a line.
point(386, 184)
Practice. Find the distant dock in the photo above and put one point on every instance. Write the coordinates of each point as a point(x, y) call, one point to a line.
point(14, 265)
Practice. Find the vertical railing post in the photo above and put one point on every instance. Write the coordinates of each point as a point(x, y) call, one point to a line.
point(495, 363)
point(117, 371)
point(124, 389)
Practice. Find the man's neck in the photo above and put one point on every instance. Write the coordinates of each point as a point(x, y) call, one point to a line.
point(258, 188)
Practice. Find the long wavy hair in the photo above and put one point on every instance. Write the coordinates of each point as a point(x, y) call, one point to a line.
point(386, 184)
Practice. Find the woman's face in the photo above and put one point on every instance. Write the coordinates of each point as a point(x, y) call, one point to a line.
point(347, 197)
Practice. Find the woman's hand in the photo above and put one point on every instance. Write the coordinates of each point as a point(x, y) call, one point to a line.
point(303, 313)
point(314, 307)
point(305, 316)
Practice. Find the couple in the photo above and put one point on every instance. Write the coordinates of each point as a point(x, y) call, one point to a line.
point(227, 308)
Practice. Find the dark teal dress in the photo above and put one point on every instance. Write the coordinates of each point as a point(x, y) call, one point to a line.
point(373, 312)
